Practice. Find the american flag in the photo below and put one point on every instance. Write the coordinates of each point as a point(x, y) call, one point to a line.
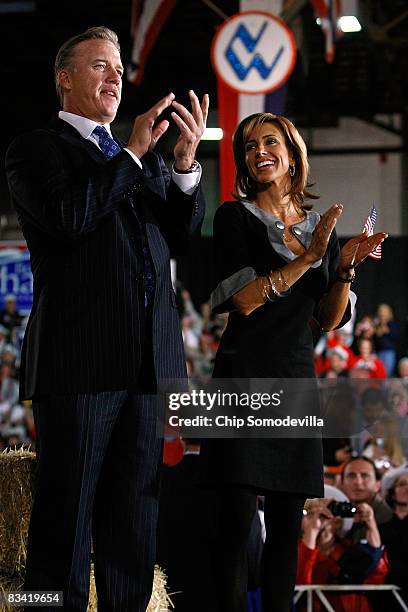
point(148, 18)
point(369, 226)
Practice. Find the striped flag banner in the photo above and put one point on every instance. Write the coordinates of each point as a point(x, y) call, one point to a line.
point(369, 227)
point(253, 58)
point(329, 13)
point(148, 18)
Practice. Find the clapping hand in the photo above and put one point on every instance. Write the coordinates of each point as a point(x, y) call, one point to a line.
point(191, 125)
point(145, 134)
point(322, 232)
point(356, 249)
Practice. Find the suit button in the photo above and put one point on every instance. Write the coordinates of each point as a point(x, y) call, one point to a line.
point(136, 188)
point(139, 276)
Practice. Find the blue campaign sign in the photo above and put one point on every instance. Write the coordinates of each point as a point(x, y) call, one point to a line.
point(15, 275)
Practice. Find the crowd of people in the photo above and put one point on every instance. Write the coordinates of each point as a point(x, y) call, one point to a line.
point(365, 456)
point(363, 351)
point(16, 419)
point(365, 464)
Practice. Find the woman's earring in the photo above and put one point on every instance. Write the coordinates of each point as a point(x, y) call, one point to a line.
point(292, 169)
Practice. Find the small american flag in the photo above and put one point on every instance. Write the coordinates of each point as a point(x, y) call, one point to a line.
point(369, 226)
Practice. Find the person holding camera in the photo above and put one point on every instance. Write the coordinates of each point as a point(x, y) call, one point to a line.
point(361, 481)
point(327, 556)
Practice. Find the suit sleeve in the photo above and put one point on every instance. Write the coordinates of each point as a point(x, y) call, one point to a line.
point(178, 214)
point(57, 195)
point(233, 261)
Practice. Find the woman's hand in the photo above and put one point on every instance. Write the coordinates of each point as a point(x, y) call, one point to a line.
point(357, 249)
point(322, 232)
point(316, 513)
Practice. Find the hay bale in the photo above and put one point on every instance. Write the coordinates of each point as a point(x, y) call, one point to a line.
point(17, 483)
point(17, 477)
point(159, 601)
point(7, 584)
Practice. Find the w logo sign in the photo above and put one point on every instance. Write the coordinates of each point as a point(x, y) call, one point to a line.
point(254, 52)
point(250, 43)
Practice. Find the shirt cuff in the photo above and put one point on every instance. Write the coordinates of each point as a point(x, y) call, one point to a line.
point(187, 182)
point(134, 157)
point(226, 288)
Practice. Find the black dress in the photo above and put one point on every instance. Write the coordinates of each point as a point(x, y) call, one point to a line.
point(275, 340)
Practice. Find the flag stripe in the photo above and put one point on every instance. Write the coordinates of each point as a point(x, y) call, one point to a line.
point(329, 12)
point(148, 23)
point(369, 226)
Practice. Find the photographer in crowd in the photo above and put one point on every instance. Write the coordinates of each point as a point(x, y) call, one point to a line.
point(360, 481)
point(328, 556)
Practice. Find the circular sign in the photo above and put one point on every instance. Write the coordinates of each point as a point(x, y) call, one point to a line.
point(253, 52)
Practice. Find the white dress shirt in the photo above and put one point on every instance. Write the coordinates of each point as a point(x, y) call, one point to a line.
point(186, 182)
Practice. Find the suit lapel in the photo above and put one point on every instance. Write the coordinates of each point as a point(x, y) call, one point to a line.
point(71, 135)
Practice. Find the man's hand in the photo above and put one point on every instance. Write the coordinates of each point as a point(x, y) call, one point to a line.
point(145, 134)
point(191, 126)
point(365, 513)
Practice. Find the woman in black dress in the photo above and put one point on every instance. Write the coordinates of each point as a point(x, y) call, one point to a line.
point(278, 265)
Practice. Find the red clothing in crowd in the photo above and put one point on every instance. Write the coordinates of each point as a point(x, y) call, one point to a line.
point(374, 367)
point(316, 568)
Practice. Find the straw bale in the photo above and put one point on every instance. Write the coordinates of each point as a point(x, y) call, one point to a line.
point(17, 481)
point(159, 601)
point(17, 475)
point(7, 584)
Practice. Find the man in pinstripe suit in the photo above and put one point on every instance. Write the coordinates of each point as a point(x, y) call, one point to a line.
point(101, 222)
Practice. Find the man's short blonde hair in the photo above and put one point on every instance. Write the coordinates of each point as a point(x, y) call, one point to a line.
point(67, 51)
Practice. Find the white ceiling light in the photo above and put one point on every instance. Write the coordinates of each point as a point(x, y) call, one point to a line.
point(349, 23)
point(212, 134)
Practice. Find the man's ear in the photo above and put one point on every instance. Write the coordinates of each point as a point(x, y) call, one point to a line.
point(64, 80)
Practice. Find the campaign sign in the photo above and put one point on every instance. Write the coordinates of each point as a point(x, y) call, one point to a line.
point(253, 52)
point(15, 275)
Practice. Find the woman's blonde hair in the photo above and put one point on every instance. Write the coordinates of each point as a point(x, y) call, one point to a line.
point(245, 186)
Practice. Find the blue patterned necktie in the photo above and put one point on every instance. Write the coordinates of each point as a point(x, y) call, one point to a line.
point(108, 146)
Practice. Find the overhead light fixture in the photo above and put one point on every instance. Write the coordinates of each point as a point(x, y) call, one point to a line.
point(212, 134)
point(349, 23)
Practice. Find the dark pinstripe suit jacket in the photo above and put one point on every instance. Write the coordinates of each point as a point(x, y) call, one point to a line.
point(79, 215)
